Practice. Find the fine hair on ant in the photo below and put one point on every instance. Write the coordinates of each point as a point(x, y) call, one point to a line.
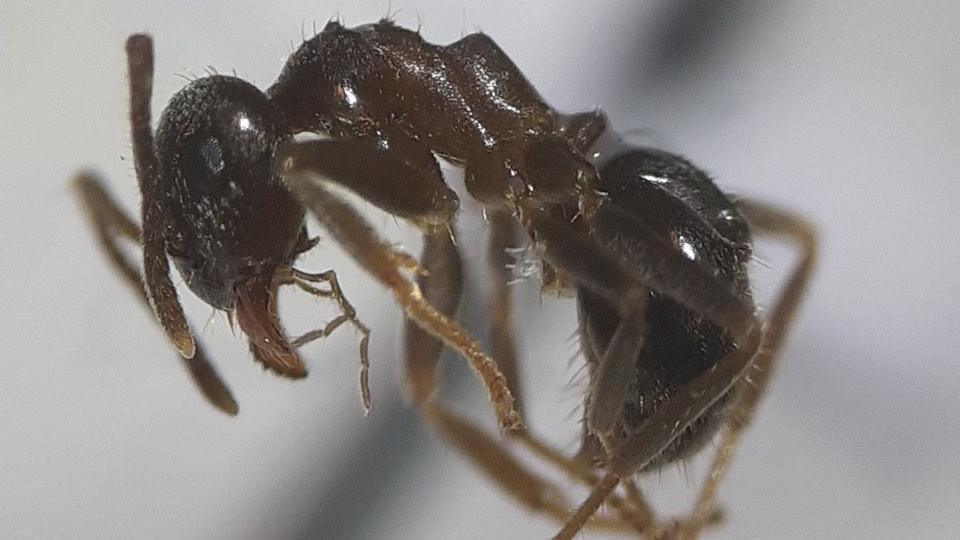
point(655, 254)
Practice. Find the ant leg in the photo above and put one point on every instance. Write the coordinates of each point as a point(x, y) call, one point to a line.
point(442, 283)
point(385, 263)
point(513, 477)
point(635, 452)
point(612, 361)
point(571, 250)
point(390, 170)
point(347, 314)
point(615, 369)
point(502, 238)
point(111, 223)
point(594, 267)
point(671, 420)
point(777, 223)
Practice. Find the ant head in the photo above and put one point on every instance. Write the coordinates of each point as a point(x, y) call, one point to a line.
point(229, 218)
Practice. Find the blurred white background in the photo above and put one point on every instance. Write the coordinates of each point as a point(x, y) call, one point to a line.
point(847, 112)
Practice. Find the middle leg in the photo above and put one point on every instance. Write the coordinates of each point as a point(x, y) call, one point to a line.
point(595, 267)
point(774, 222)
point(441, 283)
point(502, 237)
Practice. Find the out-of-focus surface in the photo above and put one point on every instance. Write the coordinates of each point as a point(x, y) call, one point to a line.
point(847, 113)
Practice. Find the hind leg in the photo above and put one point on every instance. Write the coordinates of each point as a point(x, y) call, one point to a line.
point(754, 359)
point(777, 223)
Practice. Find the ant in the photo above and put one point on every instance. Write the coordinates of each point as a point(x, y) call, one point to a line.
point(654, 252)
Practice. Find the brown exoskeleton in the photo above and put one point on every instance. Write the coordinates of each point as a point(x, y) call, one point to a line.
point(654, 252)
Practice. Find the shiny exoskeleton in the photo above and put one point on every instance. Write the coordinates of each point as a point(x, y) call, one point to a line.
point(656, 254)
point(674, 200)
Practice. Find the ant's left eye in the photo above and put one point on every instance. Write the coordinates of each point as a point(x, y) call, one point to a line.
point(203, 166)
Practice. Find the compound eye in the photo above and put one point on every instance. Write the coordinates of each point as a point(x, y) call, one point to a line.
point(203, 166)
